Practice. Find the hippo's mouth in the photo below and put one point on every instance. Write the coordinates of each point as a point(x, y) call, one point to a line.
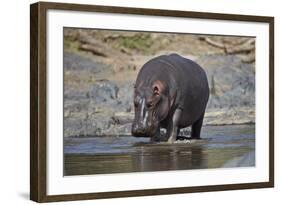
point(143, 133)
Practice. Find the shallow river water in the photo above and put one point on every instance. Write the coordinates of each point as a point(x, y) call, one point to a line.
point(220, 146)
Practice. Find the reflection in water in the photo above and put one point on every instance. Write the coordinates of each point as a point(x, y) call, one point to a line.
point(102, 155)
point(145, 158)
point(167, 158)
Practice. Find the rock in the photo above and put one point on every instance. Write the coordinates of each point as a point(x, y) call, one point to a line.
point(72, 93)
point(232, 90)
point(231, 82)
point(77, 63)
point(103, 91)
point(225, 116)
point(126, 96)
point(121, 118)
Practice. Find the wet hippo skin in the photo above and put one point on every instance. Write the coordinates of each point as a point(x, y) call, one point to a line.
point(171, 92)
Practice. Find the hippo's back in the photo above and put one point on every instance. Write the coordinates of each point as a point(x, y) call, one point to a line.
point(192, 86)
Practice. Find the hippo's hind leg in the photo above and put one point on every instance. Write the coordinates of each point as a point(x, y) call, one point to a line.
point(196, 128)
point(172, 130)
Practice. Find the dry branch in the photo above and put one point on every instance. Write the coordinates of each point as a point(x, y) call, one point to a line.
point(249, 58)
point(246, 47)
point(212, 42)
point(93, 49)
point(87, 39)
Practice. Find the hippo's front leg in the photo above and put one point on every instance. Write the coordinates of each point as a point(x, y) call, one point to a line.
point(156, 137)
point(172, 129)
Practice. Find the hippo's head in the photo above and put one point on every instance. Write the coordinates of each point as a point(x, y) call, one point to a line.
point(151, 107)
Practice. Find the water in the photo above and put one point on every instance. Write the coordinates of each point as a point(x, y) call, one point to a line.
point(220, 146)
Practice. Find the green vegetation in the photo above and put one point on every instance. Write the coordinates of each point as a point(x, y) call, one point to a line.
point(70, 45)
point(141, 42)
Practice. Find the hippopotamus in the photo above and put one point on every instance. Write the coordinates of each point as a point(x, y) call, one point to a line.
point(170, 92)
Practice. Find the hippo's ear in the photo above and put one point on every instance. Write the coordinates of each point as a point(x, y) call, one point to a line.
point(158, 87)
